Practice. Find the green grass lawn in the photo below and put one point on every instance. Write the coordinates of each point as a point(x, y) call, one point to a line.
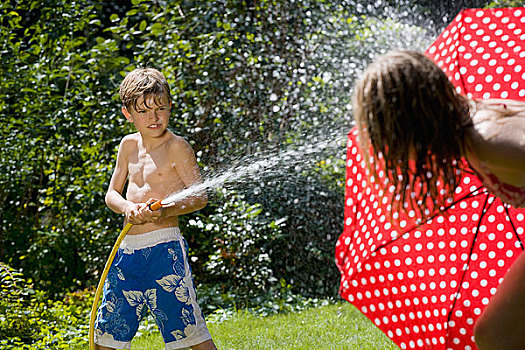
point(338, 326)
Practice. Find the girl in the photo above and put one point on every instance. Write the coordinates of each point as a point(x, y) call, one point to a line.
point(419, 129)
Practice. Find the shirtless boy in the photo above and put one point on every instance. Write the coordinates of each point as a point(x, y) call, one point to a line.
point(151, 267)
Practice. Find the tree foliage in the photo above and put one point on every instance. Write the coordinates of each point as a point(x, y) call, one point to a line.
point(59, 129)
point(250, 79)
point(239, 71)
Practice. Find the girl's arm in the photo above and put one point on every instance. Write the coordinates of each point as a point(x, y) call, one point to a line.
point(499, 143)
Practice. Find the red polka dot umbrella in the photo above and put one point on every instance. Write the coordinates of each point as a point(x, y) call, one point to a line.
point(425, 283)
point(483, 53)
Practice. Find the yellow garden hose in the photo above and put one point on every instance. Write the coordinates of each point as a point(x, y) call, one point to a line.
point(100, 287)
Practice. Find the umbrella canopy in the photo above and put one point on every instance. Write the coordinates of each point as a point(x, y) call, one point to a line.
point(426, 283)
point(483, 53)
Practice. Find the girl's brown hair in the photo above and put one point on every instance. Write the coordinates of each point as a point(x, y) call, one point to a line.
point(146, 83)
point(410, 115)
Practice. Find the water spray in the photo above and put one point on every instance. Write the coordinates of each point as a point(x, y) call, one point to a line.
point(396, 34)
point(291, 157)
point(254, 166)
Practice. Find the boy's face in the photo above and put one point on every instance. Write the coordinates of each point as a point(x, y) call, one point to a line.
point(149, 118)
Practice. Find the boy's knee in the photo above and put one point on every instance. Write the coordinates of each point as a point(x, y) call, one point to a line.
point(100, 347)
point(207, 345)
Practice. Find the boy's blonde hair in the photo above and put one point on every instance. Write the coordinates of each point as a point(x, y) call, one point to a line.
point(146, 83)
point(409, 112)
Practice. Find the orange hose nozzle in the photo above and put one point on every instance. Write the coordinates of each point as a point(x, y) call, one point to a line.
point(155, 206)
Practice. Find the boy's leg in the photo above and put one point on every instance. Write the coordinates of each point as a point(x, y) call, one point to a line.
point(207, 345)
point(501, 325)
point(170, 285)
point(118, 314)
point(100, 347)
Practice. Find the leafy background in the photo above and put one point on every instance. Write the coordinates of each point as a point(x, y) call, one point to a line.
point(251, 80)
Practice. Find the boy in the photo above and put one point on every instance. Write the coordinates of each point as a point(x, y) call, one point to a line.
point(151, 267)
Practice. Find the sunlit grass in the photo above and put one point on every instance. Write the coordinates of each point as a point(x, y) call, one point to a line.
point(338, 326)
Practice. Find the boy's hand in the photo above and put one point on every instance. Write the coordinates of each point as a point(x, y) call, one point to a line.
point(140, 213)
point(148, 214)
point(133, 214)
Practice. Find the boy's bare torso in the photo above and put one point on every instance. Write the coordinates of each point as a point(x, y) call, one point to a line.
point(152, 174)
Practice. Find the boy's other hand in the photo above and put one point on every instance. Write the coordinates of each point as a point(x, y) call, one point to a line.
point(133, 214)
point(147, 213)
point(140, 213)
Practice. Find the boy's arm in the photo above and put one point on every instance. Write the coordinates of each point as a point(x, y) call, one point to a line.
point(114, 199)
point(184, 162)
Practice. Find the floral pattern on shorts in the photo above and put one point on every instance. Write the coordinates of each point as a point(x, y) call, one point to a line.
point(157, 278)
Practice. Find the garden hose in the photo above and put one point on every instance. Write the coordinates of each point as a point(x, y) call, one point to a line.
point(153, 206)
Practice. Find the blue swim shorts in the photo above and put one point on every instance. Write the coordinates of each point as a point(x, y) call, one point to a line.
point(151, 270)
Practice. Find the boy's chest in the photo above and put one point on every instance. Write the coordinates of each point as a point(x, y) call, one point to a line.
point(150, 169)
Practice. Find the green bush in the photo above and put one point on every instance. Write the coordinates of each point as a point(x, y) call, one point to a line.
point(30, 320)
point(314, 218)
point(505, 3)
point(238, 71)
point(58, 82)
point(245, 254)
point(231, 249)
point(249, 79)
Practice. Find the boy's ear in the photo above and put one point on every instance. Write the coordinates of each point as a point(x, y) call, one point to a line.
point(126, 113)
